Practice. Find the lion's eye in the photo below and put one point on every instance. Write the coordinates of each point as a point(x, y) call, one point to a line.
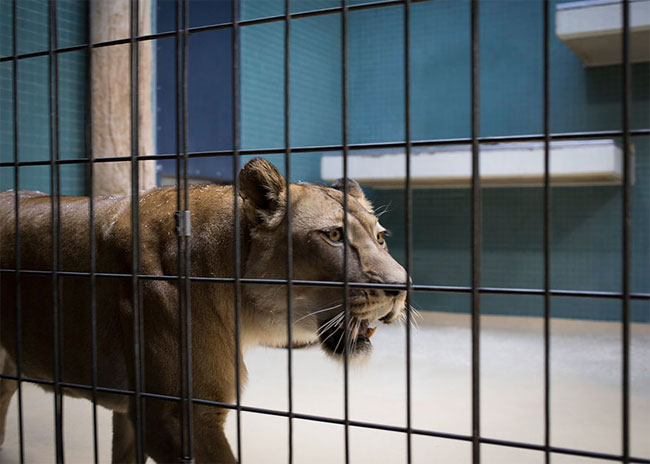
point(335, 235)
point(380, 238)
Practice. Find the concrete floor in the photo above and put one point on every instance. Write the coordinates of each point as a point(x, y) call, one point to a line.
point(585, 394)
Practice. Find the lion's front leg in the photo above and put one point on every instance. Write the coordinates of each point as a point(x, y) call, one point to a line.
point(163, 441)
point(123, 439)
point(210, 444)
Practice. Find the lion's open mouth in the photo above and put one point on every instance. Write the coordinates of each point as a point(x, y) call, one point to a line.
point(332, 338)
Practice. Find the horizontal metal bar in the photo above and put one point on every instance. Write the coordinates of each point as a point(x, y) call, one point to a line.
point(327, 283)
point(563, 136)
point(337, 421)
point(211, 27)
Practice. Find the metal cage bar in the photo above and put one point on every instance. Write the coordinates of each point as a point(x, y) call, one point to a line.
point(476, 212)
point(91, 230)
point(346, 241)
point(328, 283)
point(289, 257)
point(346, 238)
point(183, 230)
point(212, 27)
point(236, 213)
point(564, 136)
point(352, 423)
point(55, 222)
point(17, 242)
point(547, 234)
point(136, 291)
point(626, 232)
point(408, 217)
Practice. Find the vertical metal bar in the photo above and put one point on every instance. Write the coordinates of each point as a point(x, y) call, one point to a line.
point(180, 38)
point(346, 240)
point(287, 168)
point(91, 227)
point(476, 236)
point(135, 234)
point(19, 316)
point(179, 206)
point(547, 236)
point(236, 226)
point(627, 229)
point(184, 243)
point(55, 217)
point(408, 216)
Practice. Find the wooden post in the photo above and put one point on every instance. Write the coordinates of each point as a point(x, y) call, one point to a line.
point(111, 110)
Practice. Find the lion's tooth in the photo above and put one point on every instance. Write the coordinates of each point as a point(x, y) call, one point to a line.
point(371, 331)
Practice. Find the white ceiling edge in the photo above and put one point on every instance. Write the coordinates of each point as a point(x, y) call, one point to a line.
point(593, 30)
point(571, 163)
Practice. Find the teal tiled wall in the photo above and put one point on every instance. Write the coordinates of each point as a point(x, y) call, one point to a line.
point(33, 95)
point(586, 227)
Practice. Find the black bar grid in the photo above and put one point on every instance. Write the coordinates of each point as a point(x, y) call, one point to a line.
point(184, 279)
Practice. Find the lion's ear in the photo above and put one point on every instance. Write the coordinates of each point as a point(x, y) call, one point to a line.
point(354, 190)
point(264, 191)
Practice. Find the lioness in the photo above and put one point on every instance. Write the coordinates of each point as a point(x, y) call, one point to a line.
point(318, 253)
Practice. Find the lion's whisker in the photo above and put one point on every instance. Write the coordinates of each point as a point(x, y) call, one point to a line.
point(335, 320)
point(339, 342)
point(413, 319)
point(318, 311)
point(350, 321)
point(328, 337)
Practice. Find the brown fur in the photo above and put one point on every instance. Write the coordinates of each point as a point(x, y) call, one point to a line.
point(314, 210)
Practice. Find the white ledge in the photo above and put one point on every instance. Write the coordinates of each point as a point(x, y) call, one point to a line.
point(593, 30)
point(598, 162)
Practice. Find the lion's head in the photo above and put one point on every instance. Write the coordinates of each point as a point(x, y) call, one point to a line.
point(318, 242)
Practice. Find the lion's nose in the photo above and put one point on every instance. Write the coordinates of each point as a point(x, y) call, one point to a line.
point(391, 292)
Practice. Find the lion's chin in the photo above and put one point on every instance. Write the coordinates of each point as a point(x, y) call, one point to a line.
point(333, 340)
